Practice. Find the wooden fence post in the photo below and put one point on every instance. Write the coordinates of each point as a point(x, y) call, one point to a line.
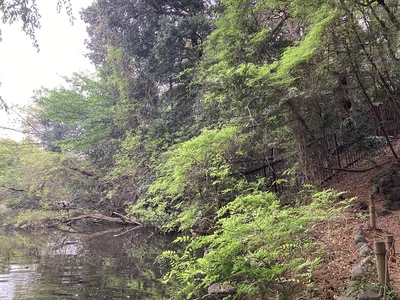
point(372, 215)
point(390, 248)
point(381, 263)
point(337, 150)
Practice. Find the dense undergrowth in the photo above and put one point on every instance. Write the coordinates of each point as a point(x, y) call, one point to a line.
point(258, 246)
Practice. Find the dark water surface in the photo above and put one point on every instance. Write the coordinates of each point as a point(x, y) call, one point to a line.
point(110, 264)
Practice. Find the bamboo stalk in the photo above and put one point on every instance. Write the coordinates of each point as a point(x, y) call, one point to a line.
point(381, 264)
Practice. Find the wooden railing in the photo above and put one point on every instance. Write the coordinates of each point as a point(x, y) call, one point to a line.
point(325, 158)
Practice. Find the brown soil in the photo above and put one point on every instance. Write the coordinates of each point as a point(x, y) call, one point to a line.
point(332, 276)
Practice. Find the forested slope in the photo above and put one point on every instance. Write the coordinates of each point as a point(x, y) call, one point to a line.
point(206, 117)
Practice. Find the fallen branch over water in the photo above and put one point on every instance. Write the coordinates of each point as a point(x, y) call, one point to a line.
point(123, 220)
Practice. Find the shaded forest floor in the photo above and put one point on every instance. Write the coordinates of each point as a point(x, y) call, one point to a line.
point(332, 276)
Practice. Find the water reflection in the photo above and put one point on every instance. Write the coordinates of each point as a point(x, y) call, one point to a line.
point(110, 264)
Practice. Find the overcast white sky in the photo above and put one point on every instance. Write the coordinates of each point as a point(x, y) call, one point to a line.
point(23, 69)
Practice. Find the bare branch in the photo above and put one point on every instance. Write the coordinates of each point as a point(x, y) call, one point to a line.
point(11, 189)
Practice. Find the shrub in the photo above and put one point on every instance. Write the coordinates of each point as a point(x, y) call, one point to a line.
point(258, 245)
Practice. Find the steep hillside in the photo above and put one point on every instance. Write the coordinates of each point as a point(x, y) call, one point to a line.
point(332, 276)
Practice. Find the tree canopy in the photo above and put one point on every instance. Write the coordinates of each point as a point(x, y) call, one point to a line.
point(27, 13)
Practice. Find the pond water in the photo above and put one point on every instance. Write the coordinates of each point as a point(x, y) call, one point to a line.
point(117, 263)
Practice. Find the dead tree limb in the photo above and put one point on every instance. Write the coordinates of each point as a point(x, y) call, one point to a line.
point(11, 189)
point(357, 170)
point(83, 172)
point(119, 220)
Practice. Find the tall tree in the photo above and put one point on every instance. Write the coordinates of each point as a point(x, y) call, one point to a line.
point(163, 41)
point(79, 118)
point(286, 66)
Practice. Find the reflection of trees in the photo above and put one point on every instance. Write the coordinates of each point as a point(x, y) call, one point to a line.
point(19, 248)
point(102, 265)
point(19, 257)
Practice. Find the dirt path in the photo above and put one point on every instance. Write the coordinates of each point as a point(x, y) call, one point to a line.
point(333, 274)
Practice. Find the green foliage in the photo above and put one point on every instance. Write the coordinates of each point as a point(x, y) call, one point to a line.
point(35, 179)
point(190, 97)
point(258, 244)
point(257, 54)
point(28, 13)
point(31, 219)
point(280, 71)
point(203, 151)
point(305, 49)
point(153, 64)
point(76, 118)
point(189, 180)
